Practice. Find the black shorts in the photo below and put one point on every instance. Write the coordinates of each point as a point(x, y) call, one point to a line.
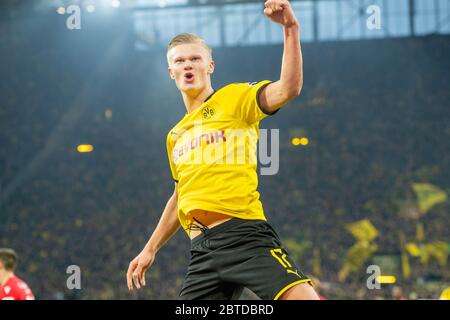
point(236, 254)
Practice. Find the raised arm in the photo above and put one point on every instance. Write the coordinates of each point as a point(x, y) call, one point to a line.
point(290, 83)
point(167, 226)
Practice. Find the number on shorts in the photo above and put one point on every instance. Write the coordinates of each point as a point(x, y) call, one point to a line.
point(281, 257)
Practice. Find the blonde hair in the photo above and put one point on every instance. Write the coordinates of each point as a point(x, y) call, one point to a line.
point(185, 38)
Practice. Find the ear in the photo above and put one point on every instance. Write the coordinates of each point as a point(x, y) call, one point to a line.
point(211, 67)
point(170, 73)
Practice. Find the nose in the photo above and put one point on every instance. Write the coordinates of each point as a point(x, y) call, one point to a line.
point(188, 66)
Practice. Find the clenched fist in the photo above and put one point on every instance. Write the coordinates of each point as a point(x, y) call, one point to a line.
point(280, 11)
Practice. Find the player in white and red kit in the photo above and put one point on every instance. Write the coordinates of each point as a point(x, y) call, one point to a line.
point(11, 286)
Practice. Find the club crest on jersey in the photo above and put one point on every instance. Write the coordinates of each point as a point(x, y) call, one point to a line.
point(208, 112)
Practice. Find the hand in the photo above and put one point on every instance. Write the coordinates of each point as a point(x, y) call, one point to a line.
point(137, 268)
point(280, 11)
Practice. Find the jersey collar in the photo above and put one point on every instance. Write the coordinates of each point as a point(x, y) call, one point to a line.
point(207, 98)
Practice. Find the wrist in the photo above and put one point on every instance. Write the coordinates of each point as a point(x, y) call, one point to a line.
point(294, 26)
point(150, 248)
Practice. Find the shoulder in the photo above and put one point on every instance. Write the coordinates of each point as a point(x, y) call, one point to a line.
point(225, 90)
point(238, 86)
point(23, 290)
point(13, 281)
point(18, 283)
point(245, 87)
point(236, 89)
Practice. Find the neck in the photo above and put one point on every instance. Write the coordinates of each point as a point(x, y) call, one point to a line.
point(4, 277)
point(194, 100)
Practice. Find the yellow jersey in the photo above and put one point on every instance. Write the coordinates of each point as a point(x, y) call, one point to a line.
point(212, 154)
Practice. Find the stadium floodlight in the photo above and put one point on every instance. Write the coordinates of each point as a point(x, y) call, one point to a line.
point(85, 148)
point(90, 8)
point(386, 279)
point(304, 141)
point(115, 3)
point(162, 3)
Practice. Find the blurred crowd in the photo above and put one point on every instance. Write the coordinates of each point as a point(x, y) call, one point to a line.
point(376, 114)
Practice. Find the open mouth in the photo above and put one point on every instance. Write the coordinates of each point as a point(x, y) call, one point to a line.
point(189, 77)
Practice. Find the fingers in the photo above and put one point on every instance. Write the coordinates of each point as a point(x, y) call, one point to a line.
point(139, 276)
point(272, 6)
point(268, 11)
point(142, 275)
point(136, 274)
point(130, 271)
point(136, 279)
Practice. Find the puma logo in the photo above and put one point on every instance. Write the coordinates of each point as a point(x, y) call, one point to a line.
point(294, 272)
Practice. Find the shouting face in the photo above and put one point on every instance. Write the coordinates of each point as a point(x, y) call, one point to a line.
point(190, 65)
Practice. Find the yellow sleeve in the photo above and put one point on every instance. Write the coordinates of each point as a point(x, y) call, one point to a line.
point(248, 108)
point(169, 155)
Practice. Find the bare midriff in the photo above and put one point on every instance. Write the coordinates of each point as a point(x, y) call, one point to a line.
point(209, 219)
